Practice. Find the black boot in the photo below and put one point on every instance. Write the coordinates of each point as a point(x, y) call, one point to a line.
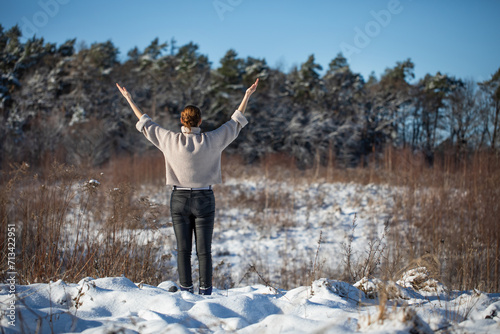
point(206, 291)
point(190, 289)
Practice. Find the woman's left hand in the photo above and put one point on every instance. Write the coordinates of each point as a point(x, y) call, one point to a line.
point(124, 92)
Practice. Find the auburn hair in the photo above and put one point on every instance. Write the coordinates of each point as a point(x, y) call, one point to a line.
point(190, 116)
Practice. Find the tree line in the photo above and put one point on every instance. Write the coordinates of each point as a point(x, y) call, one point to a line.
point(60, 101)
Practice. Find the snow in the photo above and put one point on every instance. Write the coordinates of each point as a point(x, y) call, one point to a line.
point(94, 182)
point(339, 212)
point(293, 230)
point(116, 304)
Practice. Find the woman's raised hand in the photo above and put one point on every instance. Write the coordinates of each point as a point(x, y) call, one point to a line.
point(131, 102)
point(252, 88)
point(124, 92)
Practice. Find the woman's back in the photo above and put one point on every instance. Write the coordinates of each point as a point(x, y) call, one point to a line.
point(192, 158)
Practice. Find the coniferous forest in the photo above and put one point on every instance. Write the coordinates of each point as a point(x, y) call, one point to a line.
point(60, 102)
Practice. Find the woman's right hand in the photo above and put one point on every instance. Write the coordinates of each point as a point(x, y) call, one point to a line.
point(248, 93)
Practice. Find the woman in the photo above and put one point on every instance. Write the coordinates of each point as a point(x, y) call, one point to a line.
point(192, 161)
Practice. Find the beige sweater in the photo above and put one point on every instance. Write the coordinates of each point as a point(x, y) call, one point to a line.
point(192, 159)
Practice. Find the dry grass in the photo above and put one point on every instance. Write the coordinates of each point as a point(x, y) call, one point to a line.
point(69, 228)
point(451, 210)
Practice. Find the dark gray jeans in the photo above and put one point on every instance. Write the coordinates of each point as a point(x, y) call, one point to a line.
point(193, 211)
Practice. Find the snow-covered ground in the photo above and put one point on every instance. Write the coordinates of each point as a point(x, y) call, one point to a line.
point(271, 226)
point(287, 232)
point(117, 305)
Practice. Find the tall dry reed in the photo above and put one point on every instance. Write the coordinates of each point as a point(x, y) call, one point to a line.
point(70, 224)
point(445, 217)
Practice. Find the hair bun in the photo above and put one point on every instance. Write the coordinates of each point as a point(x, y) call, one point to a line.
point(191, 116)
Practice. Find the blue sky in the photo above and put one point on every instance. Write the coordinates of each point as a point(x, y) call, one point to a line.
point(461, 38)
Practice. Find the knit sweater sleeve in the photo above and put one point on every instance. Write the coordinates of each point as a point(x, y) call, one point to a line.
point(227, 132)
point(153, 132)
